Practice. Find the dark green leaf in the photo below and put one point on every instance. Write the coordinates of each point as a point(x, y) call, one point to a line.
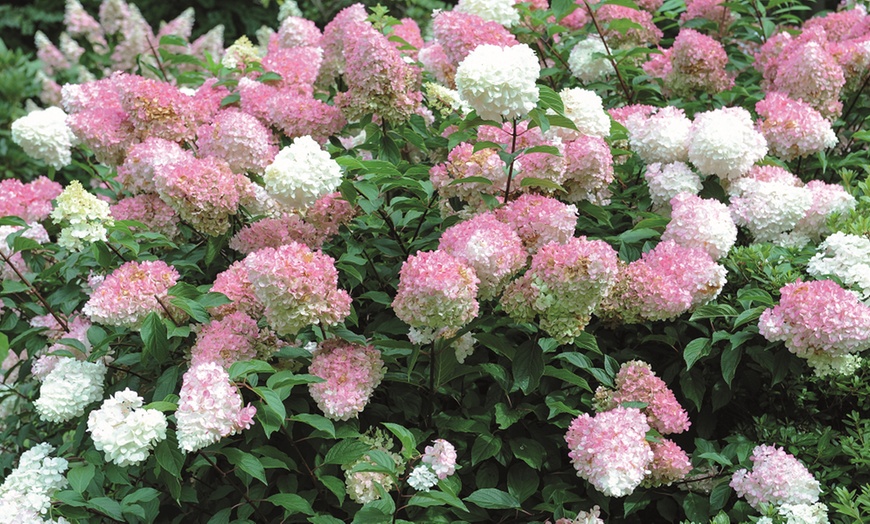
point(491, 498)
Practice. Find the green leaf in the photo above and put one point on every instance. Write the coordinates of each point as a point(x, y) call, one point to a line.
point(140, 495)
point(153, 332)
point(241, 369)
point(696, 349)
point(230, 99)
point(4, 346)
point(714, 311)
point(528, 366)
point(245, 462)
point(192, 308)
point(169, 457)
point(491, 498)
point(270, 76)
point(318, 422)
point(291, 503)
point(549, 99)
point(409, 442)
point(172, 40)
point(425, 499)
point(485, 446)
point(522, 481)
point(552, 150)
point(107, 507)
point(273, 402)
point(80, 477)
point(529, 451)
point(730, 359)
point(483, 144)
point(345, 452)
point(161, 405)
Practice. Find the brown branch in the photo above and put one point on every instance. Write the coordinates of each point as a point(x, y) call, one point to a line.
point(35, 292)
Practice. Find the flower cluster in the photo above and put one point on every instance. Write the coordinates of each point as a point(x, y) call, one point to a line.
point(701, 223)
point(351, 372)
point(499, 82)
point(662, 137)
point(85, 217)
point(637, 382)
point(588, 170)
point(297, 286)
point(145, 159)
point(490, 247)
point(665, 181)
point(30, 201)
point(695, 63)
point(725, 143)
point(150, 210)
point(586, 110)
point(539, 220)
point(230, 339)
point(238, 138)
point(438, 463)
point(464, 162)
point(776, 478)
point(670, 464)
point(610, 450)
point(68, 389)
point(301, 173)
point(124, 431)
point(584, 62)
point(209, 408)
point(793, 128)
point(563, 286)
point(436, 290)
point(821, 322)
point(769, 209)
point(43, 134)
point(234, 283)
point(29, 487)
point(133, 291)
point(845, 256)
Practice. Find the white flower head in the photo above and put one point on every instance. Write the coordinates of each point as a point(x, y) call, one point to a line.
point(422, 478)
point(499, 11)
point(725, 143)
point(499, 82)
point(301, 173)
point(124, 431)
point(28, 489)
point(68, 389)
point(586, 109)
point(585, 65)
point(86, 215)
point(45, 136)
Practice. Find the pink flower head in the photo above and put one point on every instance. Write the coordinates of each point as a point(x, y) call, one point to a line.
point(818, 321)
point(792, 127)
point(50, 56)
point(239, 139)
point(666, 282)
point(610, 450)
point(302, 115)
point(697, 64)
point(157, 108)
point(204, 192)
point(147, 208)
point(838, 26)
point(79, 22)
point(826, 199)
point(351, 373)
point(491, 248)
point(563, 286)
point(670, 464)
point(234, 283)
point(98, 119)
point(441, 457)
point(808, 72)
point(701, 223)
point(647, 34)
point(145, 159)
point(712, 10)
point(436, 290)
point(132, 291)
point(436, 62)
point(624, 113)
point(637, 382)
point(30, 201)
point(464, 162)
point(209, 408)
point(328, 214)
point(378, 78)
point(231, 339)
point(460, 33)
point(588, 169)
point(333, 41)
point(776, 478)
point(275, 232)
point(298, 67)
point(298, 287)
point(539, 220)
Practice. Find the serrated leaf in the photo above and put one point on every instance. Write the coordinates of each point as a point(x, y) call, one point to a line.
point(541, 182)
point(436, 498)
point(107, 507)
point(409, 442)
point(491, 498)
point(345, 452)
point(549, 99)
point(245, 462)
point(471, 180)
point(484, 447)
point(240, 369)
point(80, 477)
point(318, 422)
point(153, 333)
point(169, 457)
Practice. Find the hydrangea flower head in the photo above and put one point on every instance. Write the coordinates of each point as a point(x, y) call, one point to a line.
point(86, 215)
point(464, 162)
point(769, 209)
point(147, 158)
point(68, 389)
point(239, 139)
point(441, 457)
point(670, 464)
point(818, 321)
point(131, 292)
point(458, 34)
point(436, 290)
point(793, 128)
point(230, 339)
point(697, 65)
point(30, 201)
point(585, 108)
point(702, 223)
point(44, 135)
point(492, 248)
point(499, 82)
point(301, 173)
point(500, 11)
point(209, 408)
point(662, 137)
point(845, 256)
point(563, 287)
point(351, 373)
point(298, 287)
point(29, 487)
point(539, 220)
point(776, 478)
point(725, 143)
point(124, 431)
point(584, 63)
point(610, 451)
